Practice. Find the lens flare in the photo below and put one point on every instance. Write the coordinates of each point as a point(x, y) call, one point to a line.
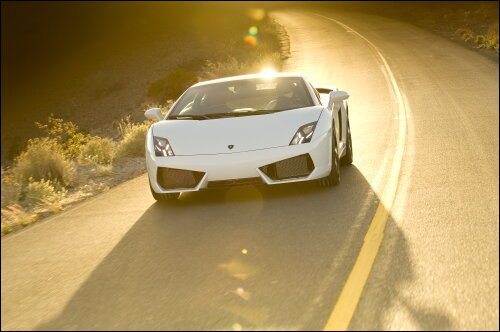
point(237, 327)
point(256, 13)
point(250, 40)
point(253, 31)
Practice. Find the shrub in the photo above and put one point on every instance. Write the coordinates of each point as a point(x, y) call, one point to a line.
point(98, 150)
point(65, 133)
point(11, 189)
point(480, 41)
point(465, 33)
point(15, 217)
point(124, 125)
point(488, 40)
point(43, 159)
point(42, 191)
point(103, 170)
point(491, 38)
point(133, 138)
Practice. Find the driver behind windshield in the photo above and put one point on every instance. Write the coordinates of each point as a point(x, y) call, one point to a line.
point(289, 97)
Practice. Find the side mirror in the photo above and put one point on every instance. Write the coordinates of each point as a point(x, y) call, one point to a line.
point(337, 97)
point(154, 114)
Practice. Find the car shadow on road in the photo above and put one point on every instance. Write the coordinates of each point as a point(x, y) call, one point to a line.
point(243, 258)
point(385, 303)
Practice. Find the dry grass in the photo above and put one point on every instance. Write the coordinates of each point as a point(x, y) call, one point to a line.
point(477, 25)
point(36, 185)
point(133, 138)
point(67, 164)
point(133, 143)
point(11, 189)
point(98, 151)
point(465, 33)
point(43, 191)
point(44, 158)
point(15, 217)
point(103, 170)
point(475, 22)
point(65, 133)
point(491, 38)
point(486, 41)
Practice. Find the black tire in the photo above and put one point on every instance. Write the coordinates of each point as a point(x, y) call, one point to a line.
point(347, 158)
point(333, 178)
point(164, 197)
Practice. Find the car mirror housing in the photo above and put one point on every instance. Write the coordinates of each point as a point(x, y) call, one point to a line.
point(154, 114)
point(337, 97)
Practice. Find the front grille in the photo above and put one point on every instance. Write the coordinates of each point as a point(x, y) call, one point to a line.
point(232, 183)
point(296, 167)
point(173, 178)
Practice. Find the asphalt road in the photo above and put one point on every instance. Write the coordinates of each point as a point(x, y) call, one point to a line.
point(278, 257)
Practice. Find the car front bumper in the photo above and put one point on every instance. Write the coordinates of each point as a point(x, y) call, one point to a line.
point(241, 165)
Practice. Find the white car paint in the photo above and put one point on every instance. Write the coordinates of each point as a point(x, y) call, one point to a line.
point(195, 137)
point(258, 140)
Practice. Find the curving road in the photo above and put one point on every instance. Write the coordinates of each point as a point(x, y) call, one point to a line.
point(279, 257)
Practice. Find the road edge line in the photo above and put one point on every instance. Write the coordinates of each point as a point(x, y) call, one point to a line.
point(350, 295)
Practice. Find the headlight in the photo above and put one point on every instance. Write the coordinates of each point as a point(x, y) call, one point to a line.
point(162, 147)
point(304, 134)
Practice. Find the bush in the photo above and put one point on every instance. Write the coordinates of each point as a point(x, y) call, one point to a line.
point(44, 158)
point(124, 125)
point(133, 139)
point(15, 217)
point(42, 192)
point(65, 133)
point(11, 189)
point(466, 34)
point(103, 170)
point(491, 38)
point(98, 150)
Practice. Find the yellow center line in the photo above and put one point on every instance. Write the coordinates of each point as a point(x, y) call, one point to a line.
point(348, 300)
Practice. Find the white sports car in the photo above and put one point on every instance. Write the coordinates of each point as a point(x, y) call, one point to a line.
point(248, 129)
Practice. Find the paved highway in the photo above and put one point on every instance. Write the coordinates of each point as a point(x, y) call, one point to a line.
point(424, 119)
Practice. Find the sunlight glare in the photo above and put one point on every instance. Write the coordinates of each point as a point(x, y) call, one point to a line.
point(268, 72)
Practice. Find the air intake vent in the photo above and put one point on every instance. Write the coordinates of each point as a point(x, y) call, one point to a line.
point(233, 183)
point(172, 178)
point(296, 167)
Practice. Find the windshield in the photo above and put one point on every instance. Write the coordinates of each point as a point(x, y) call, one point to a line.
point(242, 97)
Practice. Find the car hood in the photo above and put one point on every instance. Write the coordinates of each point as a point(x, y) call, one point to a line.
point(244, 133)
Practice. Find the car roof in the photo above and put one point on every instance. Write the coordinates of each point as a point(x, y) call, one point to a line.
point(251, 76)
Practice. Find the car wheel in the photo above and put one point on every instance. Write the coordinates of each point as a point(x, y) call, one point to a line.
point(333, 178)
point(164, 197)
point(347, 158)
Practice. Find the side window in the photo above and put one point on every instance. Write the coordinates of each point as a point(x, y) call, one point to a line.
point(315, 92)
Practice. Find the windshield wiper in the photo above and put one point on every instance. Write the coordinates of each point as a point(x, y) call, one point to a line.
point(188, 117)
point(244, 113)
point(265, 111)
point(221, 115)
